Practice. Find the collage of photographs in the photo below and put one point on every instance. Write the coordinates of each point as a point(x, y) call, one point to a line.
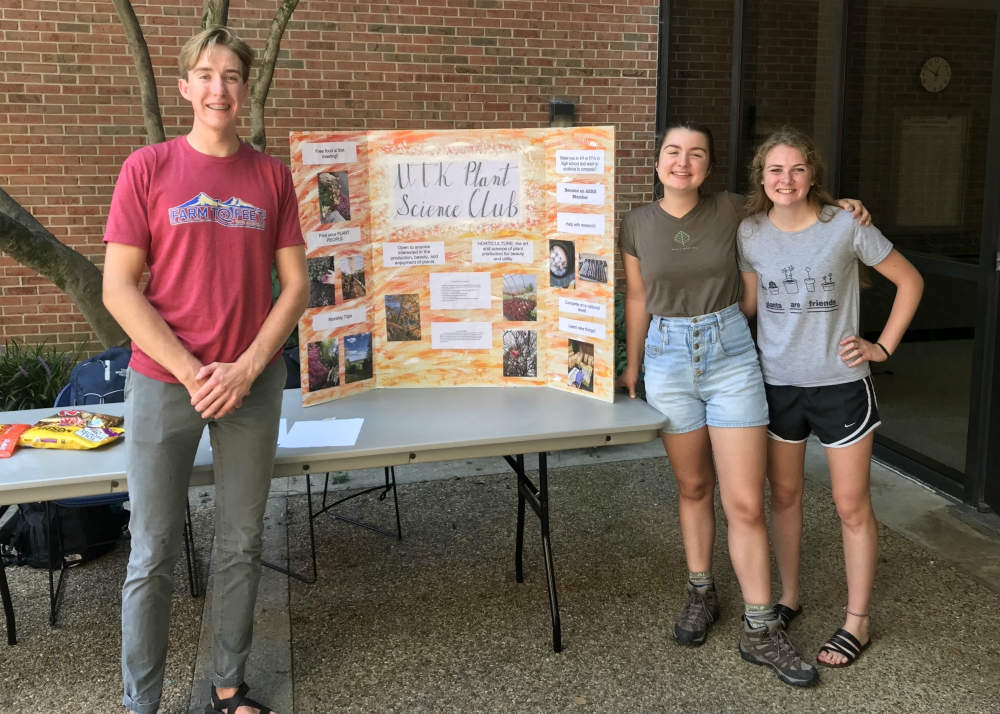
point(457, 299)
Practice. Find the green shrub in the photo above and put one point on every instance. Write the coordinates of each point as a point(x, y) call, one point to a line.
point(620, 353)
point(31, 375)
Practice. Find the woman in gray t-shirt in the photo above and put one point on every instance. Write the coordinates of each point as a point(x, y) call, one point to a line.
point(799, 258)
point(701, 370)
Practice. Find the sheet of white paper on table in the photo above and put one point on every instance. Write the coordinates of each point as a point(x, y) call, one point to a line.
point(318, 434)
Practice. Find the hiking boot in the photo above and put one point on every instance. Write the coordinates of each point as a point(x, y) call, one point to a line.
point(700, 611)
point(770, 646)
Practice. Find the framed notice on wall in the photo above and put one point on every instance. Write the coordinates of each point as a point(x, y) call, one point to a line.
point(457, 258)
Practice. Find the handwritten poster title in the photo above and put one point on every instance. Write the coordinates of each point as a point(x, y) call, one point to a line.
point(479, 190)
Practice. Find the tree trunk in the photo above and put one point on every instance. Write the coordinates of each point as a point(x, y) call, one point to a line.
point(144, 71)
point(28, 242)
point(258, 94)
point(214, 13)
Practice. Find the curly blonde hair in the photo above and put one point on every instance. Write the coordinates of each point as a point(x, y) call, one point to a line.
point(757, 203)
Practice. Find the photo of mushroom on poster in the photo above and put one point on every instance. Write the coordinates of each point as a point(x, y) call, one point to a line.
point(459, 257)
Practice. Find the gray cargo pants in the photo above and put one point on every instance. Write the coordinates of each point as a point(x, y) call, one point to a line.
point(162, 435)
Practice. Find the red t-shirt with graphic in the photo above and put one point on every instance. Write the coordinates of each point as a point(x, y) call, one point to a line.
point(210, 227)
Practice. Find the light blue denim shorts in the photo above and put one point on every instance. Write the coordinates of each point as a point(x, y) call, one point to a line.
point(704, 370)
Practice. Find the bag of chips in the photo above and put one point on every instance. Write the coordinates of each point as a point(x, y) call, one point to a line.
point(73, 429)
point(9, 434)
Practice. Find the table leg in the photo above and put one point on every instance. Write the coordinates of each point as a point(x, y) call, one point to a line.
point(550, 574)
point(8, 606)
point(519, 546)
point(538, 499)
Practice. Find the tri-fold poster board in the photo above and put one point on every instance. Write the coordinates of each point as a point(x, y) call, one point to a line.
point(457, 258)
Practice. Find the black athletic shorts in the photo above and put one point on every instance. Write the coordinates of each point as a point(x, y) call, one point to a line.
point(839, 414)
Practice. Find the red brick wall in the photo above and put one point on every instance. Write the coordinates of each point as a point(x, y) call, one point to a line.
point(72, 115)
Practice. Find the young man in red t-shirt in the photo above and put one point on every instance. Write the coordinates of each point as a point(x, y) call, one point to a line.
point(209, 216)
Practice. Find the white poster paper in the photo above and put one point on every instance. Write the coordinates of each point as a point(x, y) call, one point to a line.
point(337, 236)
point(580, 223)
point(582, 307)
point(461, 335)
point(334, 152)
point(320, 434)
point(502, 251)
point(592, 330)
point(471, 190)
point(580, 162)
point(460, 291)
point(581, 194)
point(330, 320)
point(407, 255)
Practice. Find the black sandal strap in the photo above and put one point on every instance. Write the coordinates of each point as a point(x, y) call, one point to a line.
point(844, 643)
point(786, 614)
point(230, 705)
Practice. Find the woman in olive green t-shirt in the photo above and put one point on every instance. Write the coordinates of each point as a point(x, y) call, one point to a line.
point(701, 371)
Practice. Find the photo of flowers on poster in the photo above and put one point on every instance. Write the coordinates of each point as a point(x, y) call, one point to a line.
point(324, 365)
point(358, 357)
point(520, 353)
point(322, 282)
point(402, 318)
point(352, 277)
point(334, 197)
point(520, 297)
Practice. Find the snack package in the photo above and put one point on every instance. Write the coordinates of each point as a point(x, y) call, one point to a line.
point(9, 434)
point(73, 429)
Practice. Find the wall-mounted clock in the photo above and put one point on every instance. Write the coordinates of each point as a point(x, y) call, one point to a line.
point(935, 74)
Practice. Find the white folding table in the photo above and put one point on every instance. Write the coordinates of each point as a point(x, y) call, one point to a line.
point(402, 426)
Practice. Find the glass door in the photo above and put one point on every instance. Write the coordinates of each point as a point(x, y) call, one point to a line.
point(916, 118)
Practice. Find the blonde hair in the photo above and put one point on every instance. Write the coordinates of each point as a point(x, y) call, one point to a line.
point(210, 38)
point(758, 203)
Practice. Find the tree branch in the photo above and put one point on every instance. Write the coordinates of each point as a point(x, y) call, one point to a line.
point(258, 94)
point(214, 13)
point(25, 240)
point(144, 71)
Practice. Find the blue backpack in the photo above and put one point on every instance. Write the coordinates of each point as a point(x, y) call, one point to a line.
point(100, 379)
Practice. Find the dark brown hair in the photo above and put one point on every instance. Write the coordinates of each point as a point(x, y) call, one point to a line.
point(690, 126)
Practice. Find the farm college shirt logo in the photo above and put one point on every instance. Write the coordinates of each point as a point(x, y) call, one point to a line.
point(233, 213)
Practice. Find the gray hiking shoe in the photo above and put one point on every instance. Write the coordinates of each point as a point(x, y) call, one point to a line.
point(770, 646)
point(700, 611)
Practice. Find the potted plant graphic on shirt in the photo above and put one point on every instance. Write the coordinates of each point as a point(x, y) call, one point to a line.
point(772, 287)
point(791, 285)
point(828, 283)
point(810, 282)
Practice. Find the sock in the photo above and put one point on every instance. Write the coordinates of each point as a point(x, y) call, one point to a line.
point(757, 616)
point(702, 581)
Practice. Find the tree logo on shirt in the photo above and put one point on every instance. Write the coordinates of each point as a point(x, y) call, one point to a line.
point(682, 238)
point(234, 213)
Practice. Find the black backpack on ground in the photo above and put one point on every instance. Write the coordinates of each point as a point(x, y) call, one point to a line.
point(24, 538)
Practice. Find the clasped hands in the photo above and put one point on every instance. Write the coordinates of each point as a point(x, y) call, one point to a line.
point(219, 388)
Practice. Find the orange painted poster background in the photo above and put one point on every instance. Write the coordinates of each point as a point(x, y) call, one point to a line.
point(547, 321)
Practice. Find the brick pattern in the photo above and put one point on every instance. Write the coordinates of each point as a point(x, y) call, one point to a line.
point(72, 116)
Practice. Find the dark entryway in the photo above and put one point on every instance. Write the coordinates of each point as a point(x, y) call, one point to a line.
point(901, 96)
